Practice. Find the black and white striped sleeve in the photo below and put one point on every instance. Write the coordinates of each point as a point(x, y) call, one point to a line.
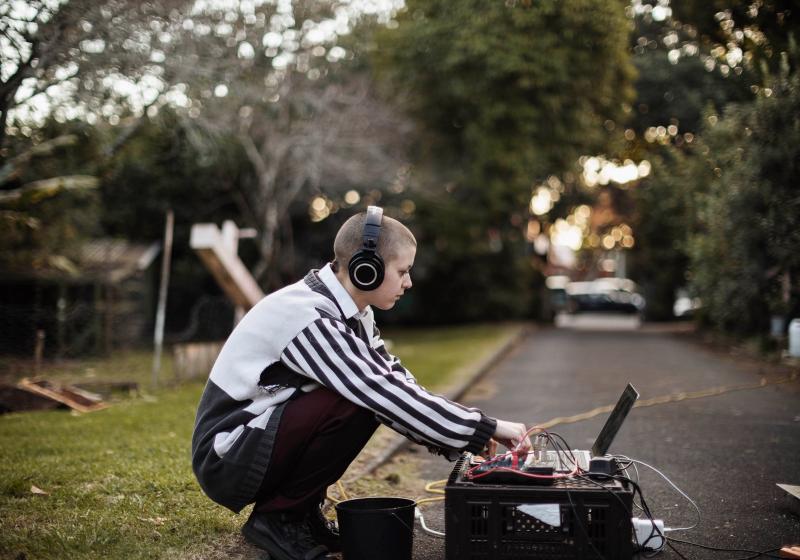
point(331, 353)
point(394, 362)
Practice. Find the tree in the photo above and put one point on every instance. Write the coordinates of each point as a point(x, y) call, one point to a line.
point(78, 58)
point(676, 86)
point(272, 78)
point(60, 59)
point(701, 213)
point(256, 74)
point(317, 136)
point(505, 94)
point(757, 34)
point(520, 90)
point(744, 259)
point(43, 220)
point(664, 218)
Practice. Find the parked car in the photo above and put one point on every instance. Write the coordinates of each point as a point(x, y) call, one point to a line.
point(609, 295)
point(557, 300)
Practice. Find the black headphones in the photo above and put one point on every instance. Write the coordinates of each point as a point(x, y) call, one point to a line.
point(366, 266)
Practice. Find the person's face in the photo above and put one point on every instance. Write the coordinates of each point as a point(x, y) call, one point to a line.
point(396, 279)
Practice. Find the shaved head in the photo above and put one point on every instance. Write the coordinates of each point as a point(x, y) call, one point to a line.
point(394, 237)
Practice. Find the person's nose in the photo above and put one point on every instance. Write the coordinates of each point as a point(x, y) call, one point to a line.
point(407, 282)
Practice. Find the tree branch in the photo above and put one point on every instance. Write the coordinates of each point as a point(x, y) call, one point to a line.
point(50, 187)
point(12, 167)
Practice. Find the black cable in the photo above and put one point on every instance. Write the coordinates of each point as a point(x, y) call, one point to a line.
point(583, 528)
point(757, 554)
point(753, 553)
point(678, 552)
point(556, 440)
point(567, 450)
point(607, 489)
point(561, 446)
point(624, 505)
point(655, 532)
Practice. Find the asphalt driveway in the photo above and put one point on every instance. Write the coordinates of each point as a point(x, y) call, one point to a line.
point(726, 448)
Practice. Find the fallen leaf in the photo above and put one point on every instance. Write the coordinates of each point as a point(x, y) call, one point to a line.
point(39, 491)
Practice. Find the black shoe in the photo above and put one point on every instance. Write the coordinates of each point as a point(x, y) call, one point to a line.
point(323, 531)
point(284, 536)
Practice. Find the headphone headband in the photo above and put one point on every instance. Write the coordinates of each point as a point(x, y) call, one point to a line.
point(372, 228)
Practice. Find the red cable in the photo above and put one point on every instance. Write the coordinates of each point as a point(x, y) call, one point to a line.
point(515, 464)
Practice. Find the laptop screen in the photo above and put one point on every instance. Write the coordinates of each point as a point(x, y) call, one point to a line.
point(614, 421)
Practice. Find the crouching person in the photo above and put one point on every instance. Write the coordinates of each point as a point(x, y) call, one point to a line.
point(302, 383)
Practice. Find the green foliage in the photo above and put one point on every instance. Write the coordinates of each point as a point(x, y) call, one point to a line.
point(466, 269)
point(505, 94)
point(511, 91)
point(169, 165)
point(763, 30)
point(663, 222)
point(43, 229)
point(749, 220)
point(727, 209)
point(679, 93)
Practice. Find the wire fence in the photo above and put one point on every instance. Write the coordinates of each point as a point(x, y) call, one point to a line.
point(64, 331)
point(210, 319)
point(79, 329)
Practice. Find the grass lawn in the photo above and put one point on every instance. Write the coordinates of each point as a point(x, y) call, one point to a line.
point(117, 483)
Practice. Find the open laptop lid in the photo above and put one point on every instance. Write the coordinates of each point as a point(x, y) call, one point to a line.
point(615, 420)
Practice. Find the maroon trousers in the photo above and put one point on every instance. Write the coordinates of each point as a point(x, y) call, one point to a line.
point(319, 435)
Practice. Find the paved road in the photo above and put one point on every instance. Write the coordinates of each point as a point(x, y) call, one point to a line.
point(727, 451)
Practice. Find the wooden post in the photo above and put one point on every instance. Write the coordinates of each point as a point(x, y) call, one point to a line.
point(38, 352)
point(226, 267)
point(230, 239)
point(158, 335)
point(109, 295)
point(61, 320)
point(101, 344)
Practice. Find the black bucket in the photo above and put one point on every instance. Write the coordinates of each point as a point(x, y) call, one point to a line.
point(373, 528)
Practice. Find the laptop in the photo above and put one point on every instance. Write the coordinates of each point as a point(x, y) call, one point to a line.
point(562, 462)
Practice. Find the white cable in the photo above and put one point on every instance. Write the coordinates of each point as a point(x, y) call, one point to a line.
point(635, 469)
point(418, 515)
point(681, 492)
point(625, 472)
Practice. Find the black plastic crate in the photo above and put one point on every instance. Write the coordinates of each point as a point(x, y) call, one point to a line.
point(584, 519)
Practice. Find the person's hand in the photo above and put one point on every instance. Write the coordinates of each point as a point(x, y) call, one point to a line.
point(511, 434)
point(491, 448)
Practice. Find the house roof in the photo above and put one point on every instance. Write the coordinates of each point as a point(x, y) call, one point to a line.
point(116, 259)
point(103, 260)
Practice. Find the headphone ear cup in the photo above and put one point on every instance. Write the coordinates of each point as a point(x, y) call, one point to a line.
point(366, 270)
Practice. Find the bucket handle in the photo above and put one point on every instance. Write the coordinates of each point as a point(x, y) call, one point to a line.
point(403, 522)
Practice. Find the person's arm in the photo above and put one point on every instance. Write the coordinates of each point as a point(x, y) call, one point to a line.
point(512, 435)
point(394, 362)
point(331, 353)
